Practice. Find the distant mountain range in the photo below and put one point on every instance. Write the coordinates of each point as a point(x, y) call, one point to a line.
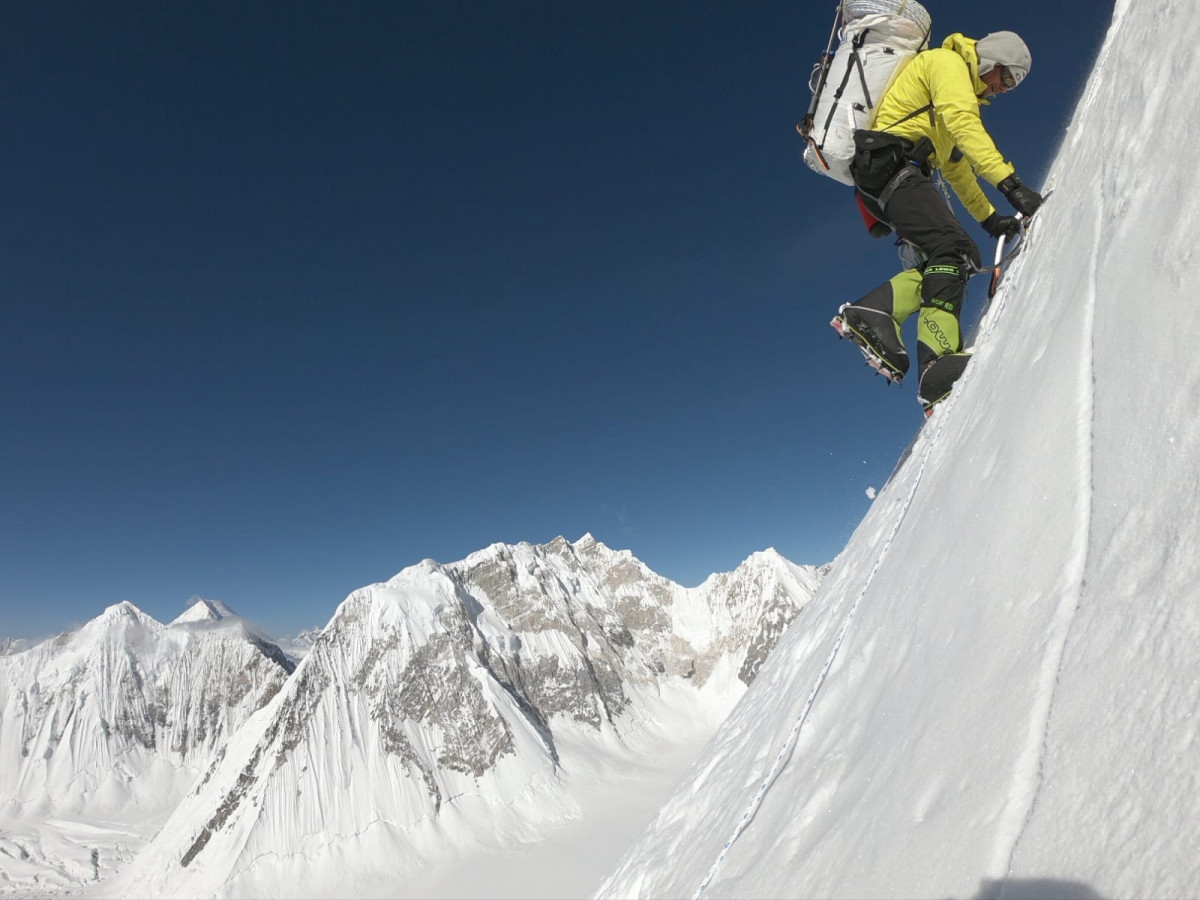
point(434, 708)
point(297, 646)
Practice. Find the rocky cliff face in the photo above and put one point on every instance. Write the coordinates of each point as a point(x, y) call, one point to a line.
point(625, 627)
point(451, 688)
point(125, 712)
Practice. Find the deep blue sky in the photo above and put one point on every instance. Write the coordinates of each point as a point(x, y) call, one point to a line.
point(296, 295)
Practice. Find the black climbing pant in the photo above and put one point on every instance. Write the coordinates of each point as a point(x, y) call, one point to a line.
point(918, 213)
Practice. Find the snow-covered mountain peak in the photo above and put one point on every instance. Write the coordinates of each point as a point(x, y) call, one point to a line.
point(758, 561)
point(769, 557)
point(85, 715)
point(119, 626)
point(203, 611)
point(409, 606)
point(124, 611)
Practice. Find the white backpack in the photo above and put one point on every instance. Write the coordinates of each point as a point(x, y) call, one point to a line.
point(876, 41)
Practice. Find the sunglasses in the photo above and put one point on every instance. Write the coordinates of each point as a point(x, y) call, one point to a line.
point(1007, 78)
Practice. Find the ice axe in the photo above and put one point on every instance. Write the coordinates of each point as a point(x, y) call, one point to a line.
point(998, 262)
point(1001, 260)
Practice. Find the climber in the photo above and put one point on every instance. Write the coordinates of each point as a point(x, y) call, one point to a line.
point(930, 119)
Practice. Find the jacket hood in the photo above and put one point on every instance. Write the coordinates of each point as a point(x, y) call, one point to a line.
point(965, 47)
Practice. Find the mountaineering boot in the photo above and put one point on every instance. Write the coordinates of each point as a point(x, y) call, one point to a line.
point(877, 335)
point(939, 335)
point(873, 323)
point(938, 377)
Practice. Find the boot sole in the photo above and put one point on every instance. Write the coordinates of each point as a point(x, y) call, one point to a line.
point(929, 404)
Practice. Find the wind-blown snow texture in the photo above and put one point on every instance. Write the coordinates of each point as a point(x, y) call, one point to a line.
point(1016, 698)
point(432, 713)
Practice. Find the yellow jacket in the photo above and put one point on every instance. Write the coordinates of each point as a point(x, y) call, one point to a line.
point(948, 79)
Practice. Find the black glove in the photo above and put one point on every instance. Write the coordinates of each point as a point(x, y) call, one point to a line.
point(999, 226)
point(1025, 200)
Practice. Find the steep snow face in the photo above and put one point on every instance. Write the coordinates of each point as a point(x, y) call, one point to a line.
point(124, 713)
point(997, 692)
point(432, 711)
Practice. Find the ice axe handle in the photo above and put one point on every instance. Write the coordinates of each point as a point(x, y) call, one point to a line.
point(996, 268)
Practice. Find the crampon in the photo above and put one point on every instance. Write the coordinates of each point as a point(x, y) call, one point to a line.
point(874, 360)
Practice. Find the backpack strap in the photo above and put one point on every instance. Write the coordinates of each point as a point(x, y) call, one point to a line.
point(855, 64)
point(927, 108)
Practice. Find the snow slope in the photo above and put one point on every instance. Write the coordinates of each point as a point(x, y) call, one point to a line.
point(998, 693)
